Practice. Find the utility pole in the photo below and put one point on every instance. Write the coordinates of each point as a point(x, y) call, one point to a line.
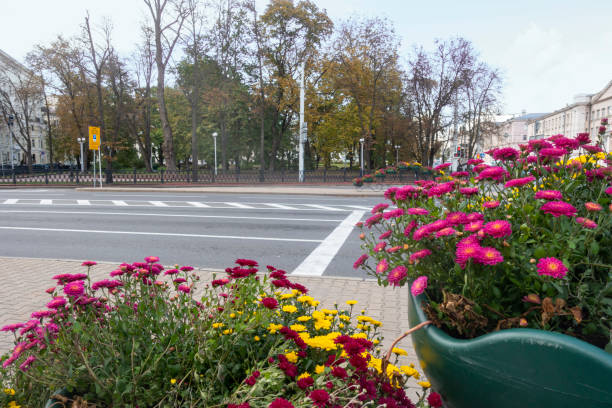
point(302, 130)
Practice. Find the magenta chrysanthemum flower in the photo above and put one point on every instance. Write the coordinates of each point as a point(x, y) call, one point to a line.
point(552, 267)
point(468, 191)
point(396, 275)
point(42, 313)
point(445, 232)
point(583, 138)
point(184, 288)
point(586, 223)
point(56, 303)
point(241, 262)
point(417, 211)
point(26, 364)
point(106, 283)
point(442, 166)
point(11, 327)
point(441, 189)
point(407, 191)
point(419, 285)
point(375, 219)
point(493, 173)
point(456, 218)
point(380, 246)
point(179, 280)
point(592, 149)
point(151, 259)
point(409, 228)
point(550, 195)
point(269, 303)
point(519, 182)
point(465, 252)
point(280, 403)
point(419, 254)
point(474, 162)
point(566, 143)
point(379, 208)
point(437, 225)
point(74, 289)
point(559, 208)
point(69, 277)
point(116, 272)
point(552, 153)
point(398, 212)
point(539, 144)
point(506, 153)
point(89, 263)
point(390, 193)
point(394, 249)
point(385, 234)
point(319, 397)
point(382, 266)
point(498, 228)
point(489, 256)
point(421, 233)
point(460, 174)
point(471, 217)
point(490, 204)
point(360, 261)
point(473, 226)
point(594, 207)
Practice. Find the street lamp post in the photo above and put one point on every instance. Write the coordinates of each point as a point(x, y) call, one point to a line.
point(11, 136)
point(81, 140)
point(397, 147)
point(214, 135)
point(361, 156)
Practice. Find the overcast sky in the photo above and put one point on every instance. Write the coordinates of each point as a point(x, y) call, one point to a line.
point(547, 50)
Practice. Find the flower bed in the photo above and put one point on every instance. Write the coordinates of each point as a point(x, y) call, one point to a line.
point(140, 338)
point(526, 243)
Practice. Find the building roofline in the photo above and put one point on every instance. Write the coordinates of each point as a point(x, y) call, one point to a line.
point(7, 59)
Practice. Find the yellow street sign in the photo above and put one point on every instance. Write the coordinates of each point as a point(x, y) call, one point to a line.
point(94, 138)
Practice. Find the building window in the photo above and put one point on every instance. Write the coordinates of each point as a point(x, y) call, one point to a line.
point(524, 137)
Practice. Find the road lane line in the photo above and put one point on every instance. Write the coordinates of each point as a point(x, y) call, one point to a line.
point(280, 206)
point(230, 217)
point(323, 207)
point(11, 201)
point(359, 207)
point(46, 202)
point(319, 259)
point(158, 203)
point(120, 203)
point(165, 234)
point(239, 205)
point(83, 202)
point(198, 204)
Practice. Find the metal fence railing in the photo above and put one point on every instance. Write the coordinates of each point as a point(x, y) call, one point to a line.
point(203, 177)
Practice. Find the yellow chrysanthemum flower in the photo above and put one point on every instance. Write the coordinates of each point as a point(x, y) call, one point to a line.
point(298, 327)
point(273, 328)
point(399, 351)
point(344, 317)
point(424, 384)
point(351, 302)
point(303, 318)
point(289, 309)
point(304, 375)
point(217, 325)
point(319, 369)
point(256, 338)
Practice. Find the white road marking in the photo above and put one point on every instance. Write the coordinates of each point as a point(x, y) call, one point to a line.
point(158, 203)
point(323, 207)
point(229, 217)
point(120, 203)
point(11, 201)
point(282, 207)
point(359, 207)
point(46, 202)
point(318, 260)
point(166, 234)
point(239, 205)
point(83, 202)
point(198, 204)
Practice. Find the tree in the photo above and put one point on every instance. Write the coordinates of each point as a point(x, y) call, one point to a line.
point(434, 80)
point(365, 67)
point(293, 33)
point(168, 18)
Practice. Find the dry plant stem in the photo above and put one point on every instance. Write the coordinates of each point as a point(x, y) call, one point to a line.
point(415, 328)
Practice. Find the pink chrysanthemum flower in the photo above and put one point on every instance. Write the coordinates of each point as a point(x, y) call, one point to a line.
point(390, 193)
point(419, 285)
point(506, 153)
point(566, 143)
point(241, 262)
point(474, 162)
point(465, 252)
point(184, 288)
point(473, 226)
point(460, 174)
point(442, 166)
point(586, 223)
point(89, 263)
point(594, 207)
point(171, 272)
point(419, 254)
point(490, 204)
point(445, 232)
point(583, 138)
point(417, 211)
point(42, 313)
point(471, 217)
point(398, 212)
point(56, 303)
point(559, 208)
point(380, 246)
point(409, 228)
point(550, 195)
point(375, 219)
point(592, 149)
point(438, 225)
point(151, 259)
point(552, 267)
point(407, 191)
point(421, 233)
point(396, 275)
point(489, 256)
point(360, 261)
point(385, 234)
point(269, 303)
point(519, 182)
point(498, 228)
point(106, 283)
point(74, 289)
point(11, 327)
point(552, 153)
point(382, 266)
point(456, 218)
point(26, 364)
point(379, 208)
point(441, 189)
point(394, 249)
point(493, 173)
point(468, 191)
point(117, 272)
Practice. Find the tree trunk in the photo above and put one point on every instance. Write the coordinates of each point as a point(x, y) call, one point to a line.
point(167, 130)
point(194, 130)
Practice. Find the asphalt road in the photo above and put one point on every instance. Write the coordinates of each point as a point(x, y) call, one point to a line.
point(309, 235)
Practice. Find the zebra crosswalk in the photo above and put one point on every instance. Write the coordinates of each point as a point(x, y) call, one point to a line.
point(182, 204)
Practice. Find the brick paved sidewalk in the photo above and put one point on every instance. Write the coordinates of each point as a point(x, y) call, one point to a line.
point(25, 280)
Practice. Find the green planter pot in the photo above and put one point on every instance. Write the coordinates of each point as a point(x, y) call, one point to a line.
point(53, 403)
point(512, 368)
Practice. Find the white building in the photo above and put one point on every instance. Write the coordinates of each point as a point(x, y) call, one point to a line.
point(582, 116)
point(11, 69)
point(510, 132)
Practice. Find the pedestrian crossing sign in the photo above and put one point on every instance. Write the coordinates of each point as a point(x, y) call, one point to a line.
point(94, 138)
